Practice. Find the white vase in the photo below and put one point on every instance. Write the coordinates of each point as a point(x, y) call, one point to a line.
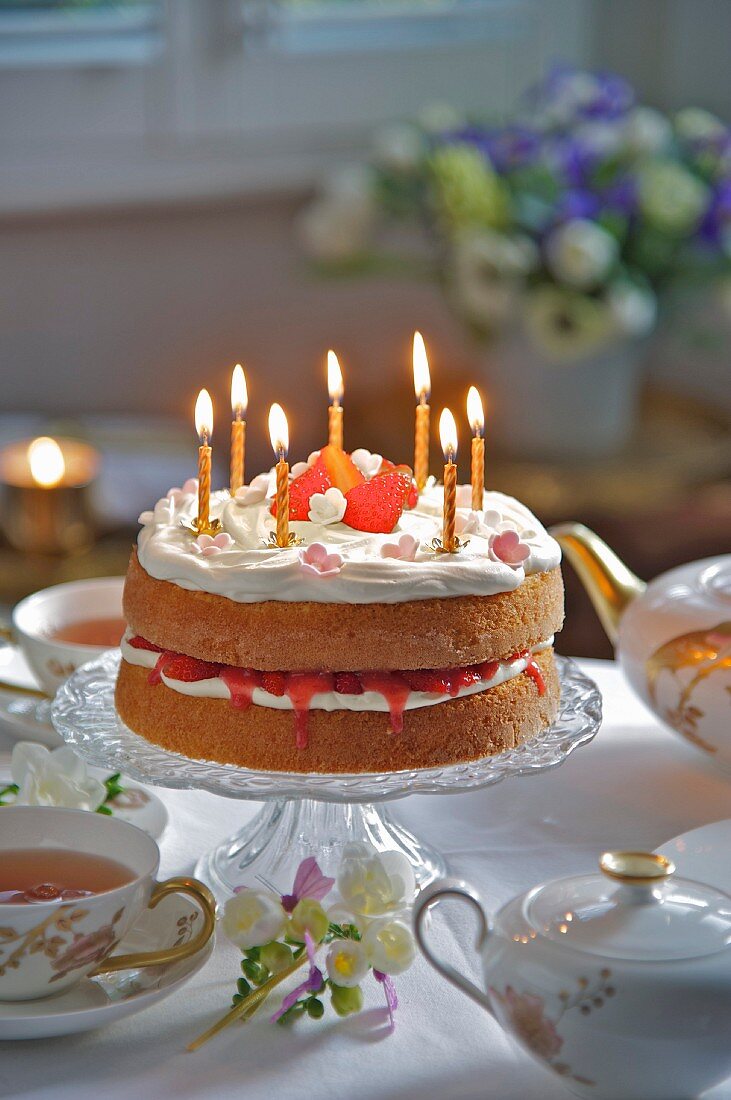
point(543, 408)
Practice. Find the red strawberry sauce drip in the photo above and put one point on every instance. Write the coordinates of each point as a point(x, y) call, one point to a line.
point(241, 683)
point(300, 688)
point(394, 690)
point(156, 673)
point(532, 670)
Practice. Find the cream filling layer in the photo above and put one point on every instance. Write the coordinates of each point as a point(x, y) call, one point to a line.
point(215, 688)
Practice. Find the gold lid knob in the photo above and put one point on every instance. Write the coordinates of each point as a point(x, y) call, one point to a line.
point(636, 867)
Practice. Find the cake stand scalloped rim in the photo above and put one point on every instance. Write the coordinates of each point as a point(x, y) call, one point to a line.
point(84, 714)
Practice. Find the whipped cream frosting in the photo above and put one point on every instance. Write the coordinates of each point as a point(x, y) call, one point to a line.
point(374, 568)
point(215, 688)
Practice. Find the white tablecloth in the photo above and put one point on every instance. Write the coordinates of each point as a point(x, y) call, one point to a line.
point(635, 786)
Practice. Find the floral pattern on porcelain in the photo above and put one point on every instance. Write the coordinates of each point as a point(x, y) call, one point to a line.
point(58, 938)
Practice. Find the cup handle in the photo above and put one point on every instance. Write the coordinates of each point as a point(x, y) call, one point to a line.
point(182, 885)
point(451, 888)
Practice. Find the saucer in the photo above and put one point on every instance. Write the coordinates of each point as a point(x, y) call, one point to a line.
point(23, 717)
point(101, 1000)
point(136, 804)
point(702, 854)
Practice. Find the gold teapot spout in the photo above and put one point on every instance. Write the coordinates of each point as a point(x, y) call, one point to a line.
point(608, 581)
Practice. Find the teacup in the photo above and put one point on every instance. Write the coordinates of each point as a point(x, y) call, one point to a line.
point(37, 617)
point(48, 946)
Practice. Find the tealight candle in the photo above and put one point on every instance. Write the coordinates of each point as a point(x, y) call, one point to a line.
point(279, 435)
point(239, 404)
point(204, 428)
point(422, 386)
point(448, 437)
point(476, 417)
point(335, 411)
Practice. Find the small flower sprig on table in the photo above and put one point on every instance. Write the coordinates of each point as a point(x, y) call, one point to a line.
point(57, 777)
point(365, 931)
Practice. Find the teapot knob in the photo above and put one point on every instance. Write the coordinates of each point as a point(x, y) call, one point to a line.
point(636, 868)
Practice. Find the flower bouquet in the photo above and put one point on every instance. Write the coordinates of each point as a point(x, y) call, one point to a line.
point(553, 236)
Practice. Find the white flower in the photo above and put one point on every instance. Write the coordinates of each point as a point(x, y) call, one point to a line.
point(327, 507)
point(254, 492)
point(399, 147)
point(54, 778)
point(477, 523)
point(567, 326)
point(374, 883)
point(647, 130)
point(341, 914)
point(672, 198)
point(347, 963)
point(163, 512)
point(298, 469)
point(252, 918)
point(580, 253)
point(338, 225)
point(368, 464)
point(208, 546)
point(695, 124)
point(600, 137)
point(634, 308)
point(487, 268)
point(190, 488)
point(389, 946)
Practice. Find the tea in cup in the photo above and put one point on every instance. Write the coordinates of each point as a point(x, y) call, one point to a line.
point(72, 884)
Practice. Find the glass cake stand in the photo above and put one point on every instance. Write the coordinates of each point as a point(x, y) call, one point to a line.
point(306, 814)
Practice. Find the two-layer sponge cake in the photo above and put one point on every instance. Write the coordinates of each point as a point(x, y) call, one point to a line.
point(361, 649)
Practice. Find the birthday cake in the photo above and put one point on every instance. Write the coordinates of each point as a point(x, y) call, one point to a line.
point(358, 649)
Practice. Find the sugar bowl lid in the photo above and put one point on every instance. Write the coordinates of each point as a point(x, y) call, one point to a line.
point(636, 909)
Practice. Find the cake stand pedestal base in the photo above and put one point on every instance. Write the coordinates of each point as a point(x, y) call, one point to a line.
point(270, 848)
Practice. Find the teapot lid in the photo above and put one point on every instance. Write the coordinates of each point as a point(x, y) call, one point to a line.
point(635, 909)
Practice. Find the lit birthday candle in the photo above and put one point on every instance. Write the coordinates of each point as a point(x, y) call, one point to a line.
point(279, 435)
point(335, 412)
point(476, 417)
point(239, 404)
point(422, 386)
point(204, 428)
point(448, 437)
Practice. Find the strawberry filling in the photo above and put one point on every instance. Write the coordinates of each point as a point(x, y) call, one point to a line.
point(301, 687)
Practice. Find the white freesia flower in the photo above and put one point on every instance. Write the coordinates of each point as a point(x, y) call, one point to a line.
point(54, 778)
point(347, 963)
point(375, 883)
point(580, 253)
point(252, 918)
point(398, 147)
point(338, 225)
point(389, 946)
point(338, 913)
point(633, 307)
point(368, 464)
point(647, 130)
point(327, 507)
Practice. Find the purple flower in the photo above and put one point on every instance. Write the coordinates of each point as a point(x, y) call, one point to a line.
point(718, 215)
point(312, 983)
point(309, 882)
point(577, 203)
point(613, 99)
point(390, 991)
point(621, 196)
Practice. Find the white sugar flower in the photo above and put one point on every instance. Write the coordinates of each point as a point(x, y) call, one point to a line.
point(341, 914)
point(389, 946)
point(368, 464)
point(375, 883)
point(580, 253)
point(252, 918)
point(54, 778)
point(347, 963)
point(254, 492)
point(327, 507)
point(163, 512)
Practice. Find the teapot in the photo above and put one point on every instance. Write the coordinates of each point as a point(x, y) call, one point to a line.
point(672, 636)
point(619, 982)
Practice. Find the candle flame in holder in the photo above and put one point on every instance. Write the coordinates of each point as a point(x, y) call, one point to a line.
point(422, 379)
point(278, 430)
point(448, 435)
point(475, 413)
point(46, 462)
point(239, 392)
point(204, 417)
point(334, 378)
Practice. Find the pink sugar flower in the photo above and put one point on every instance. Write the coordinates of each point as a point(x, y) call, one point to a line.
point(316, 560)
point(405, 549)
point(507, 547)
point(208, 545)
point(177, 495)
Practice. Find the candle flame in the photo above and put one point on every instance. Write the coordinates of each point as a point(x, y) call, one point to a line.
point(475, 413)
point(204, 416)
point(422, 379)
point(46, 461)
point(239, 393)
point(334, 377)
point(278, 430)
point(448, 435)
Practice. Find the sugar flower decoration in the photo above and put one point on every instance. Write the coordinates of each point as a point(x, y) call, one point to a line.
point(252, 918)
point(327, 507)
point(464, 496)
point(309, 882)
point(190, 488)
point(302, 467)
point(368, 464)
point(405, 549)
point(210, 545)
point(347, 963)
point(389, 946)
point(374, 883)
point(316, 560)
point(507, 547)
point(477, 523)
point(55, 777)
point(254, 492)
point(163, 513)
